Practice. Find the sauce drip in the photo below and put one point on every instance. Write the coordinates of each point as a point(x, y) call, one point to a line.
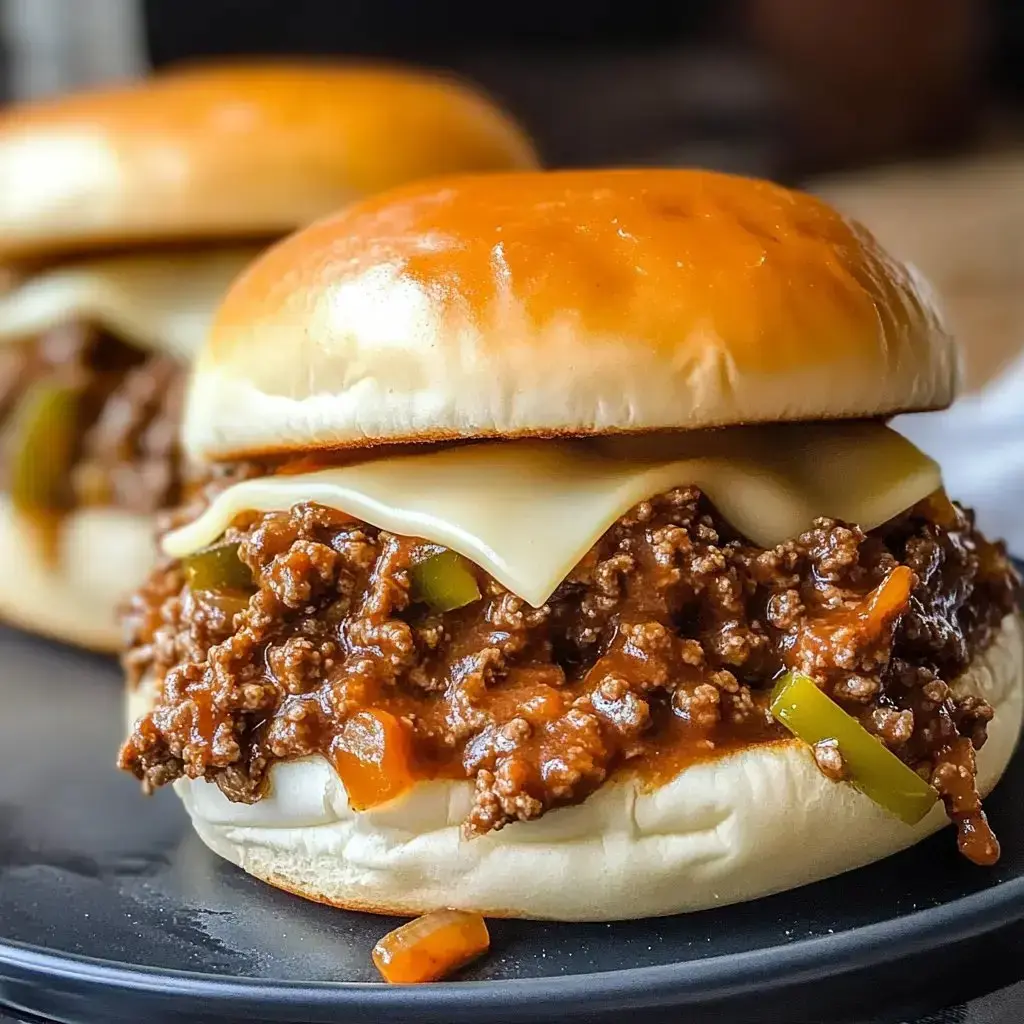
point(955, 779)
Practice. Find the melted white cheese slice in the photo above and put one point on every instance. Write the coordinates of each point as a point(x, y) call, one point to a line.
point(162, 301)
point(527, 511)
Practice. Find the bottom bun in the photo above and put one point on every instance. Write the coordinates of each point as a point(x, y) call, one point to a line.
point(73, 591)
point(743, 826)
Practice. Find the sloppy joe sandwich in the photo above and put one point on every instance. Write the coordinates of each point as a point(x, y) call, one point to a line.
point(124, 215)
point(563, 564)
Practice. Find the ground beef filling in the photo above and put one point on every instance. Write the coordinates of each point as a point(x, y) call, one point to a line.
point(125, 407)
point(659, 650)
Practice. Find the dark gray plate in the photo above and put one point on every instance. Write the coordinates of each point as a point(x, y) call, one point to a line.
point(111, 911)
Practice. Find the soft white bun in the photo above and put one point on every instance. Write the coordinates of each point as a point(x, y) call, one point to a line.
point(73, 592)
point(162, 301)
point(575, 302)
point(231, 151)
point(744, 826)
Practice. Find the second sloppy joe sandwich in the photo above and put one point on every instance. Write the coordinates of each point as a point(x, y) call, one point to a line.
point(124, 215)
point(566, 566)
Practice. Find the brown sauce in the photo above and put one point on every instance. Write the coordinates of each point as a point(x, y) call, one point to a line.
point(658, 652)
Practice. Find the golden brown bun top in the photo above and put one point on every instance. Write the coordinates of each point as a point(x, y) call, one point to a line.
point(565, 303)
point(233, 150)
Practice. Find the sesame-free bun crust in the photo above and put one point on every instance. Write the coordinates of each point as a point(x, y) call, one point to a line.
point(71, 586)
point(233, 151)
point(737, 828)
point(572, 303)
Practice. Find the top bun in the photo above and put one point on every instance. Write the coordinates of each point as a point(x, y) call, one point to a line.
point(233, 151)
point(564, 303)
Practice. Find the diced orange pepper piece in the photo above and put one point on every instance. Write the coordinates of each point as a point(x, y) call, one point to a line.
point(373, 757)
point(431, 947)
point(940, 510)
point(888, 599)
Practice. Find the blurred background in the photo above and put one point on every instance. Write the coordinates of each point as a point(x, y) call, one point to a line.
point(779, 86)
point(907, 113)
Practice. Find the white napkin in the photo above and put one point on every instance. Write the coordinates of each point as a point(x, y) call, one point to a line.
point(961, 223)
point(979, 443)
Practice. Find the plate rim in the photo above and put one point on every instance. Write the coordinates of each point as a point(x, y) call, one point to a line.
point(684, 982)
